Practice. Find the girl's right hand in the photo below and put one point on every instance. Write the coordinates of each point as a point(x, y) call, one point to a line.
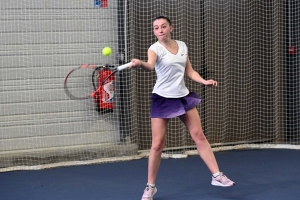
point(135, 63)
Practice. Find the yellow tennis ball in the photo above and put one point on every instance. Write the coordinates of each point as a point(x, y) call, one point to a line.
point(106, 51)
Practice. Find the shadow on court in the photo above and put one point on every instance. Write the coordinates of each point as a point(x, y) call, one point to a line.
point(271, 174)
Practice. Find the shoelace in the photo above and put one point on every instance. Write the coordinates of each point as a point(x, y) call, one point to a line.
point(223, 178)
point(148, 192)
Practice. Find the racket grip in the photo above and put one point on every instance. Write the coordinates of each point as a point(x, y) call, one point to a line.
point(125, 66)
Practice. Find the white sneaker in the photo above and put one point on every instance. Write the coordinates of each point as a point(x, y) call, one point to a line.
point(222, 180)
point(149, 192)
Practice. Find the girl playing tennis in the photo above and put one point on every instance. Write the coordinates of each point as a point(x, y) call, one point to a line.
point(171, 98)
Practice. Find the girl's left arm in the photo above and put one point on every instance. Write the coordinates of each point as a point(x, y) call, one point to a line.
point(192, 74)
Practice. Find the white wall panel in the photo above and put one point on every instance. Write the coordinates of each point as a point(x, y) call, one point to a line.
point(40, 41)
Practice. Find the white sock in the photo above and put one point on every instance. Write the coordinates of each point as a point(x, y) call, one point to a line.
point(216, 174)
point(152, 185)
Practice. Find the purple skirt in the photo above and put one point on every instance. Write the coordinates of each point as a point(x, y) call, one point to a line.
point(172, 107)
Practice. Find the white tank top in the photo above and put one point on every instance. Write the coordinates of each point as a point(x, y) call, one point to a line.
point(170, 70)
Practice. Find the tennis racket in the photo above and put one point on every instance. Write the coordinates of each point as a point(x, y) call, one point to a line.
point(79, 83)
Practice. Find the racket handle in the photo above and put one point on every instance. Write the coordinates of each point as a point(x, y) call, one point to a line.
point(125, 66)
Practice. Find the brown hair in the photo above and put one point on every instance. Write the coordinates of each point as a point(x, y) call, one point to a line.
point(163, 17)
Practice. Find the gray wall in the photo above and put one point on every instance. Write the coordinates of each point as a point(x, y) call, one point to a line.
point(40, 41)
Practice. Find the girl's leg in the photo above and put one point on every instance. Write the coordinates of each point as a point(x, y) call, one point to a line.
point(159, 128)
point(192, 121)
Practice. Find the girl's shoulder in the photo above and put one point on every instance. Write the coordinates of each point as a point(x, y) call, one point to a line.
point(156, 47)
point(181, 43)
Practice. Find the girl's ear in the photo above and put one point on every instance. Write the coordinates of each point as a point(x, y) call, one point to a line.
point(171, 28)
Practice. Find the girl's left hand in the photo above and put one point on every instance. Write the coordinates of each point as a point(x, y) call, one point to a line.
point(211, 83)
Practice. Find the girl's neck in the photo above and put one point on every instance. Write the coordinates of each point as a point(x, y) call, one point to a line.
point(167, 43)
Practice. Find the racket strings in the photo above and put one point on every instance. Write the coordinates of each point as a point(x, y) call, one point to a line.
point(84, 82)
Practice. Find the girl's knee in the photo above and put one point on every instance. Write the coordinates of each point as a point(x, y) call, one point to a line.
point(198, 135)
point(158, 146)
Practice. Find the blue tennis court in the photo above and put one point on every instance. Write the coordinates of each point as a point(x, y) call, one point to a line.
point(259, 174)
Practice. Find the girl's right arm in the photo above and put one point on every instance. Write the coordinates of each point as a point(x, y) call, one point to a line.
point(147, 66)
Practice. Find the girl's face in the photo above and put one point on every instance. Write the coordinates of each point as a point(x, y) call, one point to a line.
point(162, 29)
